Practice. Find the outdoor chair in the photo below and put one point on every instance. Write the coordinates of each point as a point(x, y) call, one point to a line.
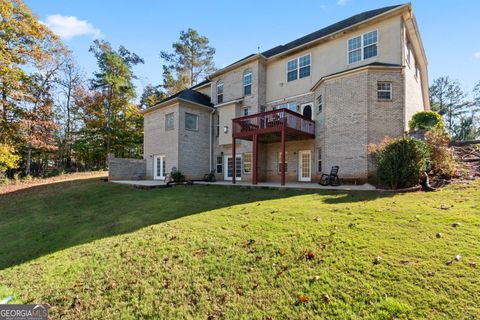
point(210, 177)
point(331, 179)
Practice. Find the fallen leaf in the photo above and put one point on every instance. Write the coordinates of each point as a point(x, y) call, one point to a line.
point(326, 298)
point(309, 255)
point(303, 298)
point(438, 235)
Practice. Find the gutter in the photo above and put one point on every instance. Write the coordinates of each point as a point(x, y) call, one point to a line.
point(211, 138)
point(158, 106)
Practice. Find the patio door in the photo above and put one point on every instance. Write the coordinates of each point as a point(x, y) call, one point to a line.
point(305, 166)
point(159, 167)
point(229, 167)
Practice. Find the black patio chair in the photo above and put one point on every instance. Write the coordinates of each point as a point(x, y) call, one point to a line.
point(331, 179)
point(210, 177)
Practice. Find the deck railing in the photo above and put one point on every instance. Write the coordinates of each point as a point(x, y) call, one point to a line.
point(272, 121)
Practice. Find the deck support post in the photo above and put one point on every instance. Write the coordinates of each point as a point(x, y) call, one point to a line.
point(284, 133)
point(254, 158)
point(234, 160)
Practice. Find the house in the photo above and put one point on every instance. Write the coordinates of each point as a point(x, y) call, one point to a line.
point(290, 113)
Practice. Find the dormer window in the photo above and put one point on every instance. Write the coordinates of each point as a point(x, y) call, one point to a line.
point(298, 68)
point(219, 92)
point(363, 47)
point(247, 83)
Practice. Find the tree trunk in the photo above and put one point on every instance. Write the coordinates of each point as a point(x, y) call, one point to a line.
point(109, 116)
point(29, 159)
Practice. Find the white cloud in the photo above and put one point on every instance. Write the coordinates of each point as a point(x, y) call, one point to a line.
point(477, 55)
point(341, 2)
point(68, 27)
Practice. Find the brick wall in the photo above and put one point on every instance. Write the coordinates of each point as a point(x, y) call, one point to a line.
point(126, 169)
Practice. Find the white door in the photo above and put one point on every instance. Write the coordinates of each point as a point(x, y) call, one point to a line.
point(229, 166)
point(304, 166)
point(158, 167)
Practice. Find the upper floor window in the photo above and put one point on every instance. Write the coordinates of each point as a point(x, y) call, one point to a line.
point(384, 91)
point(409, 52)
point(169, 121)
point(247, 83)
point(246, 111)
point(417, 71)
point(219, 92)
point(191, 121)
point(293, 106)
point(363, 47)
point(298, 68)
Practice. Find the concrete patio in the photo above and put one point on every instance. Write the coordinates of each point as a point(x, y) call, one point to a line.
point(147, 184)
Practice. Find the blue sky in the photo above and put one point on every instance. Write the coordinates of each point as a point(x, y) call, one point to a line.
point(449, 29)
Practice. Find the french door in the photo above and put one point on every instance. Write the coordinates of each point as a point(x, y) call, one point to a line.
point(305, 166)
point(158, 167)
point(229, 167)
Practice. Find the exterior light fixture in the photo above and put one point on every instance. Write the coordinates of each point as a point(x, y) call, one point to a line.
point(225, 129)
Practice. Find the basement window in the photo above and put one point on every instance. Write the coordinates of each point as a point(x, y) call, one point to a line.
point(247, 162)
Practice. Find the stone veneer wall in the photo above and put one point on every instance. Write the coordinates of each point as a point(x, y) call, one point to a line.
point(126, 169)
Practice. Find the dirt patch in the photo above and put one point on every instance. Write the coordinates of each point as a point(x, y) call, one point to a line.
point(4, 189)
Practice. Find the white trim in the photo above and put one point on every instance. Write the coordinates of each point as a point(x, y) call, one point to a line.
point(298, 67)
point(390, 91)
point(302, 106)
point(362, 47)
point(245, 73)
point(288, 98)
point(161, 157)
point(220, 84)
point(196, 121)
point(300, 166)
point(225, 168)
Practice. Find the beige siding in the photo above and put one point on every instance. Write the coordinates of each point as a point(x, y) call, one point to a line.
point(331, 57)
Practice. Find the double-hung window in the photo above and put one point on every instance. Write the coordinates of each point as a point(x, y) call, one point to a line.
point(320, 103)
point(384, 91)
point(247, 163)
point(219, 164)
point(298, 68)
point(169, 121)
point(363, 47)
point(247, 83)
point(191, 121)
point(219, 92)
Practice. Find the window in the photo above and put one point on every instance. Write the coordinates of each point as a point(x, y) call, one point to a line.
point(219, 164)
point(293, 106)
point(219, 92)
point(409, 52)
point(247, 162)
point(384, 90)
point(191, 121)
point(169, 121)
point(246, 111)
point(319, 160)
point(279, 162)
point(417, 71)
point(247, 83)
point(363, 47)
point(320, 103)
point(298, 68)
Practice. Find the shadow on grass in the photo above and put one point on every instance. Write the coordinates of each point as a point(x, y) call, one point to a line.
point(47, 218)
point(351, 197)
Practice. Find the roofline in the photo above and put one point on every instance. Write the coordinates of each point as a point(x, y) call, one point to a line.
point(235, 65)
point(226, 103)
point(259, 55)
point(359, 69)
point(176, 99)
point(201, 86)
point(389, 12)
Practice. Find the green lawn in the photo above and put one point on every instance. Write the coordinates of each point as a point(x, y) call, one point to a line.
point(92, 249)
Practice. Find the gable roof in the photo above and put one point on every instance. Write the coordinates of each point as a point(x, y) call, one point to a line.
point(187, 95)
point(328, 30)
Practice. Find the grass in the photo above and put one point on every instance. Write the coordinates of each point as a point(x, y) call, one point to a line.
point(97, 250)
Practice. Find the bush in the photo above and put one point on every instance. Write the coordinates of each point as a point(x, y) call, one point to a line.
point(425, 120)
point(402, 162)
point(442, 160)
point(177, 176)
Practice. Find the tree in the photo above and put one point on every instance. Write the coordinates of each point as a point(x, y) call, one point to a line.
point(191, 60)
point(68, 81)
point(114, 79)
point(8, 158)
point(448, 99)
point(151, 95)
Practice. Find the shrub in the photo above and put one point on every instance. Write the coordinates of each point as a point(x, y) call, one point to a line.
point(425, 120)
point(177, 176)
point(442, 159)
point(402, 162)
